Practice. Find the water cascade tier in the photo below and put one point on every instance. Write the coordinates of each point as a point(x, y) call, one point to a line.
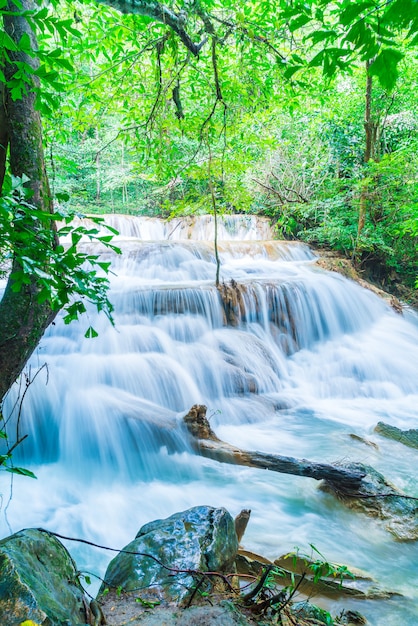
point(288, 359)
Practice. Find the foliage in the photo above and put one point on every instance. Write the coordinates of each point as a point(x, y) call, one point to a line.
point(388, 242)
point(133, 115)
point(70, 276)
point(269, 593)
point(6, 462)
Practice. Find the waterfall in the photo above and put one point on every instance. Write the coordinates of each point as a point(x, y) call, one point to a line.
point(288, 358)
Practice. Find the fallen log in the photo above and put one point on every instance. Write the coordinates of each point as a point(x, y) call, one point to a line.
point(359, 487)
point(207, 444)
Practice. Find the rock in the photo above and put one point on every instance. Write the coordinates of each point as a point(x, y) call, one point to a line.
point(351, 618)
point(351, 582)
point(233, 302)
point(241, 522)
point(363, 440)
point(172, 553)
point(379, 498)
point(407, 437)
point(223, 613)
point(248, 562)
point(38, 581)
point(307, 611)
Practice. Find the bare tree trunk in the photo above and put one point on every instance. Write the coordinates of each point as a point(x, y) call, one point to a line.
point(207, 444)
point(368, 122)
point(372, 150)
point(98, 171)
point(23, 319)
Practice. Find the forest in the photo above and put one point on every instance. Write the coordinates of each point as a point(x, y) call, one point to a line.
point(299, 117)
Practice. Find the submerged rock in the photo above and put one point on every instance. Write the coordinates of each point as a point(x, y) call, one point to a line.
point(164, 560)
point(39, 582)
point(366, 442)
point(407, 437)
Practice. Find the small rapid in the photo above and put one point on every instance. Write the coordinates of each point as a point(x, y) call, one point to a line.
point(288, 358)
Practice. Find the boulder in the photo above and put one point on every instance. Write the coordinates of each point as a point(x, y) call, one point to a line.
point(38, 581)
point(167, 559)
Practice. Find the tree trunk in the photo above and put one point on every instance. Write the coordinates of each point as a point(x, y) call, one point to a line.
point(359, 487)
point(207, 444)
point(372, 149)
point(4, 137)
point(23, 318)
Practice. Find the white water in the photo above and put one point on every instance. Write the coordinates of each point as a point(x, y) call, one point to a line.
point(317, 359)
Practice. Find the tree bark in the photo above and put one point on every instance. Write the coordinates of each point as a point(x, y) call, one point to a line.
point(372, 149)
point(23, 318)
point(4, 136)
point(160, 13)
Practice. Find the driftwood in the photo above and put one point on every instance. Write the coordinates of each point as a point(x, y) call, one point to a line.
point(358, 486)
point(207, 444)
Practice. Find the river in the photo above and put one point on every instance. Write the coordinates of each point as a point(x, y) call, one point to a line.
point(312, 359)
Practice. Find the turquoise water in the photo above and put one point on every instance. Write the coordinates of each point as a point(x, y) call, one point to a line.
point(312, 359)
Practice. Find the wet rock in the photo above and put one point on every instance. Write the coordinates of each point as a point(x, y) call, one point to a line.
point(378, 498)
point(248, 562)
point(172, 552)
point(349, 582)
point(38, 582)
point(307, 611)
point(351, 618)
point(366, 442)
point(233, 302)
point(241, 523)
point(407, 437)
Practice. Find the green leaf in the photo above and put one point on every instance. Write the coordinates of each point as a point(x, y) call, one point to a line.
point(298, 22)
point(21, 471)
point(7, 42)
point(385, 67)
point(91, 333)
point(25, 43)
point(62, 196)
point(353, 11)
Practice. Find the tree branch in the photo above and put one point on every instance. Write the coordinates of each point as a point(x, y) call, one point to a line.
point(160, 13)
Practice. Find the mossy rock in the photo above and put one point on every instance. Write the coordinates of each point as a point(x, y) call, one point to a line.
point(407, 437)
point(38, 581)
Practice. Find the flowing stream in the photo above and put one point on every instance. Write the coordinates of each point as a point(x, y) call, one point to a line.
point(312, 360)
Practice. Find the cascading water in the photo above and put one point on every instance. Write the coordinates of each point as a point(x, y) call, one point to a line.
point(307, 359)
